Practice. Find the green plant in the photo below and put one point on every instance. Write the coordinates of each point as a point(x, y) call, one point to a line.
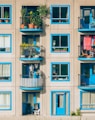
point(43, 11)
point(36, 19)
point(6, 14)
point(23, 12)
point(73, 114)
point(78, 113)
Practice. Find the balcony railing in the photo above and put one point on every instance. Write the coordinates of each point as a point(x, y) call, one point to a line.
point(86, 81)
point(32, 52)
point(31, 82)
point(88, 53)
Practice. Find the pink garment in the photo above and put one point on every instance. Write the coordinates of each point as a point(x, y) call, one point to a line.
point(87, 42)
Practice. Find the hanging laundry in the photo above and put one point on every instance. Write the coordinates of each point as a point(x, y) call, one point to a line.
point(87, 42)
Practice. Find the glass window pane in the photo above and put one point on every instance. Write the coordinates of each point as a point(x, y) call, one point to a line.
point(2, 42)
point(6, 70)
point(93, 69)
point(0, 12)
point(6, 12)
point(55, 69)
point(54, 104)
point(55, 41)
point(55, 12)
point(64, 69)
point(64, 12)
point(64, 41)
point(4, 101)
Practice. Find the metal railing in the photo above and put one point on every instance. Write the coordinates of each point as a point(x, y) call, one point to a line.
point(84, 79)
point(31, 82)
point(32, 51)
point(87, 52)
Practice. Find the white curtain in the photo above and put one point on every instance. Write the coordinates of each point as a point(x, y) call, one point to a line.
point(4, 41)
point(38, 97)
point(30, 99)
point(67, 102)
point(1, 70)
point(4, 101)
point(6, 70)
point(85, 100)
point(93, 100)
point(7, 41)
point(54, 104)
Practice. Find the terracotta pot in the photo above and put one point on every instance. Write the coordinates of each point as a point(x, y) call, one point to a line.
point(22, 26)
point(0, 21)
point(31, 25)
point(35, 26)
point(6, 21)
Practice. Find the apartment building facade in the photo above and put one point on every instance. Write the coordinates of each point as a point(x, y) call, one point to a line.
point(48, 72)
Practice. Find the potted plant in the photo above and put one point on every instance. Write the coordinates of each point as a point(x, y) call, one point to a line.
point(43, 11)
point(23, 14)
point(37, 21)
point(31, 24)
point(6, 15)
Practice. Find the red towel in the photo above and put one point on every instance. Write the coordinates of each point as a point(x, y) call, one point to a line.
point(87, 42)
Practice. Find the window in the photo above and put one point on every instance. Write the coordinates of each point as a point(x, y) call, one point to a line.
point(5, 100)
point(5, 43)
point(87, 100)
point(5, 14)
point(5, 71)
point(60, 14)
point(60, 71)
point(60, 103)
point(60, 43)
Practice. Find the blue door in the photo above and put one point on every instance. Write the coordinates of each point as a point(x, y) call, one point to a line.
point(86, 16)
point(88, 73)
point(60, 104)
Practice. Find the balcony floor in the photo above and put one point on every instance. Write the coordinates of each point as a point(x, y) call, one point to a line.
point(31, 88)
point(31, 59)
point(31, 30)
point(88, 87)
point(86, 59)
point(86, 30)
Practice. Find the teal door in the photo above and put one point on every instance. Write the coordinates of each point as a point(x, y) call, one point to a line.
point(60, 104)
point(88, 73)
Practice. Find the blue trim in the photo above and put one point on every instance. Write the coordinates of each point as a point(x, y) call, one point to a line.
point(81, 100)
point(10, 71)
point(86, 87)
point(51, 105)
point(27, 88)
point(32, 59)
point(68, 35)
point(68, 71)
point(10, 12)
point(31, 30)
point(2, 52)
point(68, 6)
point(4, 92)
point(86, 59)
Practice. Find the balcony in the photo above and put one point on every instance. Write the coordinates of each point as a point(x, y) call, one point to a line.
point(86, 82)
point(31, 53)
point(82, 27)
point(27, 26)
point(86, 54)
point(31, 83)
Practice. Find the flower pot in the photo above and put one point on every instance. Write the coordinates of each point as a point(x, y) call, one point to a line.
point(0, 21)
point(31, 25)
point(35, 26)
point(6, 21)
point(22, 26)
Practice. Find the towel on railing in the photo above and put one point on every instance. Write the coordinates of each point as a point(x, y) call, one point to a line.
point(87, 42)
